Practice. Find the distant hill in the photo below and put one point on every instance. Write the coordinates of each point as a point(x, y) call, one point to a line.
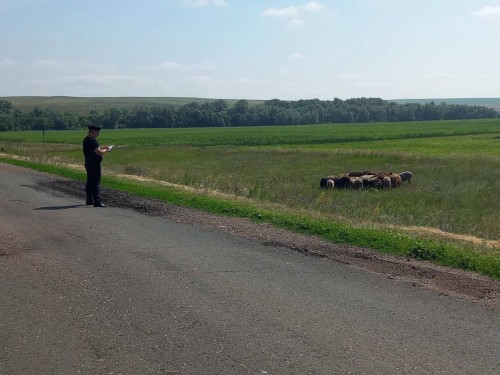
point(86, 104)
point(485, 102)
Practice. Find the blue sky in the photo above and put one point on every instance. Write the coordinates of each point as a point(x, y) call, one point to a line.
point(251, 49)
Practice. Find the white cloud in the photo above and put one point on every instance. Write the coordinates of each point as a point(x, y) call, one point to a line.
point(244, 80)
point(296, 22)
point(101, 79)
point(314, 6)
point(436, 76)
point(175, 66)
point(483, 77)
point(6, 63)
point(203, 3)
point(201, 79)
point(349, 77)
point(63, 77)
point(487, 11)
point(70, 66)
point(204, 65)
point(171, 65)
point(294, 13)
point(43, 82)
point(51, 77)
point(373, 84)
point(297, 56)
point(287, 12)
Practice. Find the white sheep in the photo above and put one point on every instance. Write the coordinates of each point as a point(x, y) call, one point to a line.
point(386, 182)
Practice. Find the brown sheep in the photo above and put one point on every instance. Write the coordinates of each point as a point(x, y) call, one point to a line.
point(395, 180)
point(365, 179)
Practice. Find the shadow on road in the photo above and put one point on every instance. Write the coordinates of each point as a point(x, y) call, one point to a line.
point(50, 208)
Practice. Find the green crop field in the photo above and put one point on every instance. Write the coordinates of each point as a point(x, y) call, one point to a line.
point(304, 135)
point(455, 165)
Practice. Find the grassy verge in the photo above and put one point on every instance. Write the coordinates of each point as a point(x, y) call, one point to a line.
point(466, 257)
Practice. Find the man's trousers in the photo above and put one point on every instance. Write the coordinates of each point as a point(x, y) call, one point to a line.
point(93, 182)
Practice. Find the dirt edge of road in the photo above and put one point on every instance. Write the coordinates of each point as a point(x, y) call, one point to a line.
point(444, 280)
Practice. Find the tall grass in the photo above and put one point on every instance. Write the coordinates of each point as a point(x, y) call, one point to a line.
point(466, 257)
point(454, 189)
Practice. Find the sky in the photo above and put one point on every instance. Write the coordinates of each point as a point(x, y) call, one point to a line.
point(251, 49)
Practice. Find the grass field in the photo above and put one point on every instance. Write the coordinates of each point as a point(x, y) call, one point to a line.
point(276, 136)
point(456, 169)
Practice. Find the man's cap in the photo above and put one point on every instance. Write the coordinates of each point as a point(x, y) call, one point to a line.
point(95, 127)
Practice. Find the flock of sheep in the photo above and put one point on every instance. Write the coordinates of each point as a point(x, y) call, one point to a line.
point(366, 180)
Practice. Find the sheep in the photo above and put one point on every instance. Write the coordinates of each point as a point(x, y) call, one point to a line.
point(323, 183)
point(381, 175)
point(406, 176)
point(365, 179)
point(359, 174)
point(342, 182)
point(356, 183)
point(395, 180)
point(373, 182)
point(386, 182)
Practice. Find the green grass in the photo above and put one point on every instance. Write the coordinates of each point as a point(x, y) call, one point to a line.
point(455, 191)
point(456, 167)
point(449, 146)
point(270, 135)
point(459, 256)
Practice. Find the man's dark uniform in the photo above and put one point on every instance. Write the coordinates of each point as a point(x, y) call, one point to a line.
point(93, 168)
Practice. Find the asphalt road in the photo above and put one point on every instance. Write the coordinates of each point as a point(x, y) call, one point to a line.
point(111, 291)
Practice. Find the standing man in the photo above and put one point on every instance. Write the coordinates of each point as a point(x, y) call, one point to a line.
point(93, 157)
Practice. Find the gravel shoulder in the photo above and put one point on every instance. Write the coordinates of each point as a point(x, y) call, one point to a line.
point(448, 281)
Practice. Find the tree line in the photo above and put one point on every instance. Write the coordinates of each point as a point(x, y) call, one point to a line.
point(219, 113)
